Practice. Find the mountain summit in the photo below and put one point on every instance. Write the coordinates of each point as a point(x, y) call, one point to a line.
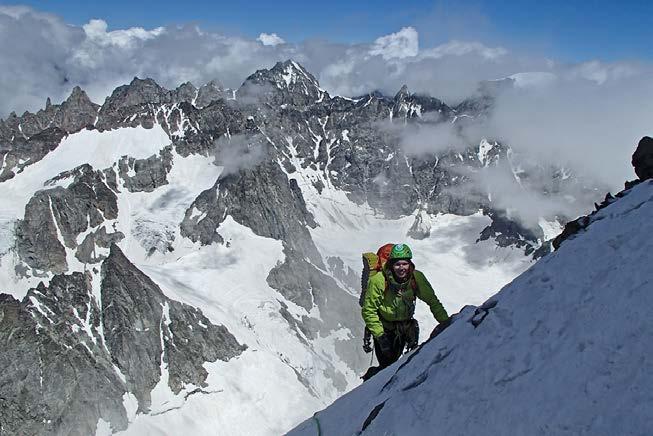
point(286, 83)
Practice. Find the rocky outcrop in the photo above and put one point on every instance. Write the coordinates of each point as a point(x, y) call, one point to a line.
point(354, 144)
point(72, 351)
point(57, 378)
point(132, 105)
point(211, 92)
point(261, 198)
point(507, 233)
point(145, 175)
point(26, 139)
point(150, 332)
point(55, 217)
point(642, 162)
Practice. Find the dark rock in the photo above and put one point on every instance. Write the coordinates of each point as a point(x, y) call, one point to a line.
point(148, 174)
point(185, 92)
point(86, 252)
point(146, 332)
point(88, 201)
point(643, 158)
point(56, 378)
point(211, 92)
point(571, 228)
point(30, 137)
point(642, 161)
point(64, 353)
point(507, 232)
point(261, 198)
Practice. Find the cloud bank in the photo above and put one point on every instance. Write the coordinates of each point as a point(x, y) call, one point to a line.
point(587, 115)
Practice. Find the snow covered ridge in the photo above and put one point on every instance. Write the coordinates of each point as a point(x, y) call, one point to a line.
point(561, 350)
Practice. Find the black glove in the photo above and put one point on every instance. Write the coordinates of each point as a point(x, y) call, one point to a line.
point(412, 335)
point(385, 343)
point(411, 345)
point(440, 328)
point(367, 341)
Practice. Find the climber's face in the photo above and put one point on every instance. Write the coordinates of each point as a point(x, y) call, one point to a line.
point(401, 268)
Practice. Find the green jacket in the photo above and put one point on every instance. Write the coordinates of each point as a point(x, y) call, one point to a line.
point(398, 303)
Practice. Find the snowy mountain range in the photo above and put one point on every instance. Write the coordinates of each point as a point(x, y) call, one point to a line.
point(184, 258)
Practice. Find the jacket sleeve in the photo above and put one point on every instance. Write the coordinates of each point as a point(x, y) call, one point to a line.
point(370, 310)
point(427, 295)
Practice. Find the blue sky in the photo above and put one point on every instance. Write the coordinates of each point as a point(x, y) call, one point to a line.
point(567, 30)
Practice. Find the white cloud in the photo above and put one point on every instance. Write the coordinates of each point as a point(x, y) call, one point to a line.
point(590, 114)
point(402, 44)
point(461, 48)
point(270, 39)
point(534, 79)
point(96, 32)
point(599, 72)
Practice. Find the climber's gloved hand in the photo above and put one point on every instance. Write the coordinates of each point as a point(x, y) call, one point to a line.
point(367, 344)
point(440, 328)
point(411, 345)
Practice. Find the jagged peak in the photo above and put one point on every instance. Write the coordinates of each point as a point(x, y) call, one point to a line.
point(403, 93)
point(186, 85)
point(77, 95)
point(286, 74)
point(144, 83)
point(138, 91)
point(213, 84)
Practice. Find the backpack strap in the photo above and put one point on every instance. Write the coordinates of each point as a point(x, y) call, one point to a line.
point(413, 285)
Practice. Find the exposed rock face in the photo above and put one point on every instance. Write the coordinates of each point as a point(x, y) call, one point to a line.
point(262, 199)
point(55, 217)
point(352, 144)
point(211, 92)
point(68, 358)
point(146, 175)
point(642, 162)
point(26, 139)
point(139, 98)
point(643, 158)
point(57, 377)
point(146, 327)
point(507, 233)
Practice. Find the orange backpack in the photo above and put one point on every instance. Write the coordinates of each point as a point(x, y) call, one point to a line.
point(373, 264)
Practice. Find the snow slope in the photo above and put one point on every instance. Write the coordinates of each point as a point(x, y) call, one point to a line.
point(565, 350)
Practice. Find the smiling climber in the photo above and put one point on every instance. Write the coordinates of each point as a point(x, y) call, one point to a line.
point(389, 306)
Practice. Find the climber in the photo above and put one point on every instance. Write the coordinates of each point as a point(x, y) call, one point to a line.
point(389, 305)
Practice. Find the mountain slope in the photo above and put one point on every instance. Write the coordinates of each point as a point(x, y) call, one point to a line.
point(563, 349)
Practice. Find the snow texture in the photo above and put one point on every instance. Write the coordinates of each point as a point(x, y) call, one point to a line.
point(563, 349)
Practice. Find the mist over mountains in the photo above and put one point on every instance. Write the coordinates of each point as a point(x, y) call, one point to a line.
point(590, 112)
